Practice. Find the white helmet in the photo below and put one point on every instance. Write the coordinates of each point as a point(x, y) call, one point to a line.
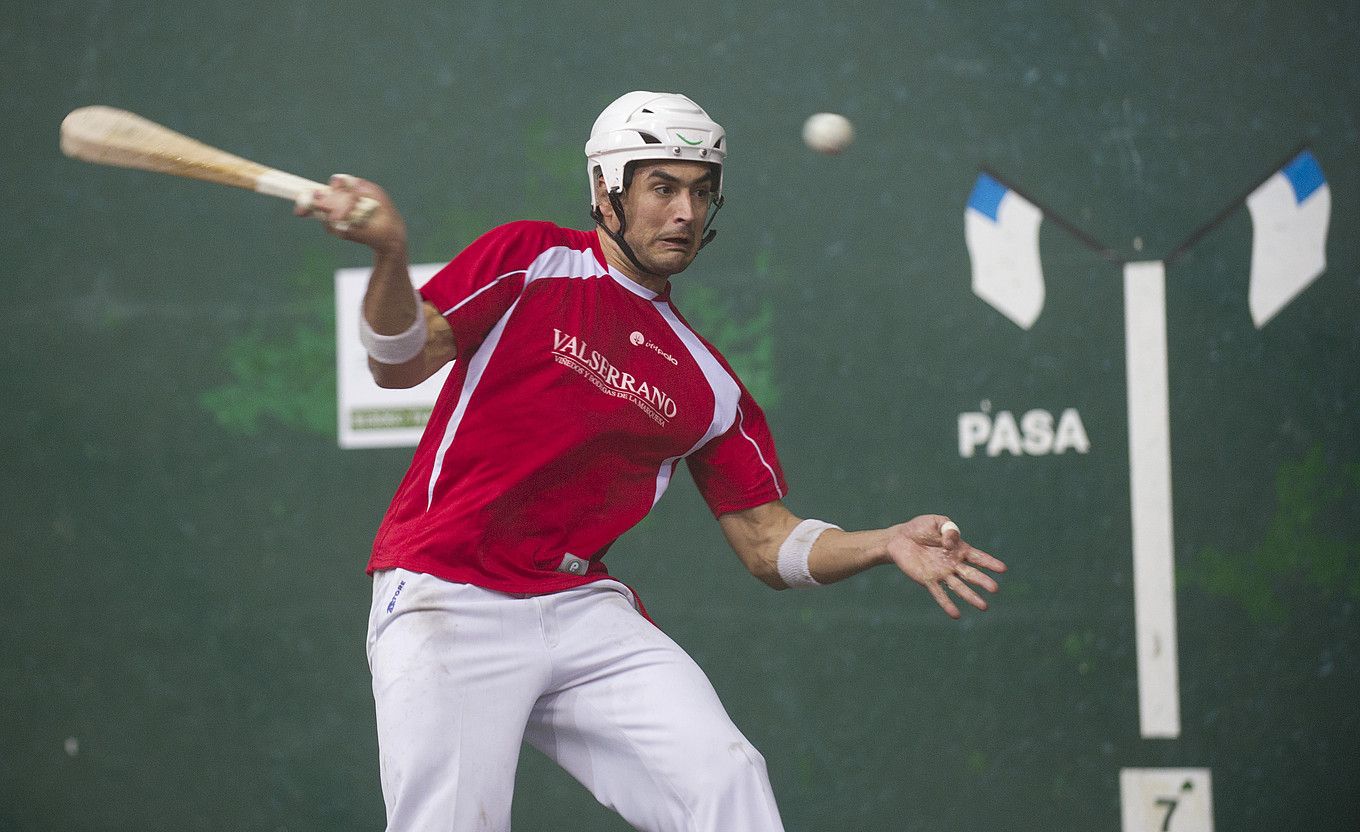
point(653, 126)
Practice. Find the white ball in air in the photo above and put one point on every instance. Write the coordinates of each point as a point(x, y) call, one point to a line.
point(828, 133)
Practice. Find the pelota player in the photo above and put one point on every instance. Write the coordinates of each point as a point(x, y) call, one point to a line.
point(577, 389)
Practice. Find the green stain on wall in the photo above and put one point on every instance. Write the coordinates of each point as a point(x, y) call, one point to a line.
point(1301, 560)
point(976, 762)
point(289, 380)
point(284, 376)
point(1080, 649)
point(742, 334)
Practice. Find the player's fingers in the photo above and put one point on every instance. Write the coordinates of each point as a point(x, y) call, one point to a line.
point(332, 220)
point(320, 203)
point(313, 203)
point(977, 577)
point(986, 561)
point(362, 187)
point(363, 210)
point(335, 223)
point(965, 592)
point(339, 207)
point(949, 533)
point(942, 599)
point(340, 197)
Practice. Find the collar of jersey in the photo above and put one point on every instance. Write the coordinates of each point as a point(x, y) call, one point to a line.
point(637, 288)
point(622, 279)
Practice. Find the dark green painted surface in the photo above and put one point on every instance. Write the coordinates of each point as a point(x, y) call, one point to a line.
point(183, 542)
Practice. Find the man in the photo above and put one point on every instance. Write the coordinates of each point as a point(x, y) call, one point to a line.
point(577, 389)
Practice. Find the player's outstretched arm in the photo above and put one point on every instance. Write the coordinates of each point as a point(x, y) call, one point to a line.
point(926, 549)
point(391, 305)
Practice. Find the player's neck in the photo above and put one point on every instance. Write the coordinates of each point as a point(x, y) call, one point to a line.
point(618, 261)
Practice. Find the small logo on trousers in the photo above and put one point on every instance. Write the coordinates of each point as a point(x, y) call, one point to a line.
point(391, 605)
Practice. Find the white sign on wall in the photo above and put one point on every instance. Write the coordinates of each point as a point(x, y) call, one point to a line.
point(370, 416)
point(1166, 800)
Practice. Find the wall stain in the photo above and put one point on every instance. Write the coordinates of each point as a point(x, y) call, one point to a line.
point(743, 335)
point(284, 375)
point(1302, 560)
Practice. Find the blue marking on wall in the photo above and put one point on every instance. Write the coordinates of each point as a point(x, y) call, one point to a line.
point(1304, 175)
point(987, 195)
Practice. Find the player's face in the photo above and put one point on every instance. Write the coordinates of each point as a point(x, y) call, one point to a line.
point(665, 207)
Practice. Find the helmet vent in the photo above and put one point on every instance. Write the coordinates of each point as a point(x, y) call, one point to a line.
point(649, 138)
point(718, 144)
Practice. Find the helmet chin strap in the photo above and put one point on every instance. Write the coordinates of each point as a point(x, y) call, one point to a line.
point(710, 232)
point(617, 236)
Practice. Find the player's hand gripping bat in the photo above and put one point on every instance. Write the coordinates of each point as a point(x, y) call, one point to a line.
point(109, 136)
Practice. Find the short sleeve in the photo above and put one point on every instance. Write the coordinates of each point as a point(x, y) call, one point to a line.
point(478, 286)
point(739, 469)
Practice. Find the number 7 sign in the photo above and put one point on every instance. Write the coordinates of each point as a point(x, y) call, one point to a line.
point(1166, 800)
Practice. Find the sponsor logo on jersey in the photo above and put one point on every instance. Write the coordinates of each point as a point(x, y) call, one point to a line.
point(573, 352)
point(637, 339)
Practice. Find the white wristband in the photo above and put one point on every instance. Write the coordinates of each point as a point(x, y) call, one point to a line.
point(794, 551)
point(395, 349)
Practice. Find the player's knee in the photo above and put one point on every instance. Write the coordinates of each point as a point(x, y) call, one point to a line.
point(733, 768)
point(734, 792)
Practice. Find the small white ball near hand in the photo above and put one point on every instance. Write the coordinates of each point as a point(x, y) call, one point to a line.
point(828, 133)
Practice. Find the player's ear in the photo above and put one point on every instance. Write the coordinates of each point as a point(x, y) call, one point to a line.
point(602, 200)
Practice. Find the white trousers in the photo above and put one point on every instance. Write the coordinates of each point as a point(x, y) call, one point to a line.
point(463, 675)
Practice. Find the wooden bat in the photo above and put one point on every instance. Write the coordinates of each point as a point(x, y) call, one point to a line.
point(109, 136)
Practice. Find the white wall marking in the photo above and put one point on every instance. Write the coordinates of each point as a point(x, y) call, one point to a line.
point(1154, 590)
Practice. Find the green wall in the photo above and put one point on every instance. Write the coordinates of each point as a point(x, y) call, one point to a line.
point(183, 542)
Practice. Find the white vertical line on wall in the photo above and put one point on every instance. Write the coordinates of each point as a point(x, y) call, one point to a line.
point(1154, 590)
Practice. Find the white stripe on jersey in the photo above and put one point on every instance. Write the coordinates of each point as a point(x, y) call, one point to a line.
point(741, 425)
point(459, 304)
point(726, 393)
point(474, 375)
point(558, 261)
point(663, 479)
point(726, 399)
point(631, 285)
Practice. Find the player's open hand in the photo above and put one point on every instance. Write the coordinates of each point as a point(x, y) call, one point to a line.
point(931, 552)
point(356, 209)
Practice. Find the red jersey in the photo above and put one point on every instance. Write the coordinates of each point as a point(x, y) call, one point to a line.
point(575, 393)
